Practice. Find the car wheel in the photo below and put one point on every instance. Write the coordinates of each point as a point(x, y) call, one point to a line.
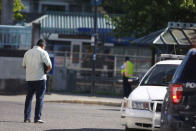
point(127, 129)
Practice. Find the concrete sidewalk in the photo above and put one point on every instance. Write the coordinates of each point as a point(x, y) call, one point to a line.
point(68, 98)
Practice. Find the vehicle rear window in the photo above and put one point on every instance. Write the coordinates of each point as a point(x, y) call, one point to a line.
point(189, 70)
point(160, 75)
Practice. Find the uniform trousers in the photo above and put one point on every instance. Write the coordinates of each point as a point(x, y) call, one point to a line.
point(126, 87)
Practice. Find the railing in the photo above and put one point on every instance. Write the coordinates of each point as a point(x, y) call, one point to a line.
point(15, 37)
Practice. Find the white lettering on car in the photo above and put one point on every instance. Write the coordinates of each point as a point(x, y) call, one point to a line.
point(190, 85)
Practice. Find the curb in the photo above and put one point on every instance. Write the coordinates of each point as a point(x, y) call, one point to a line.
point(86, 102)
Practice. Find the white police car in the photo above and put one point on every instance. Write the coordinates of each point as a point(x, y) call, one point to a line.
point(143, 106)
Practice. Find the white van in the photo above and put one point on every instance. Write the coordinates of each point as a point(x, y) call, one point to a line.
point(143, 106)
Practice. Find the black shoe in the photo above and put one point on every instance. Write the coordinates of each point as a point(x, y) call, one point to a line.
point(27, 121)
point(39, 121)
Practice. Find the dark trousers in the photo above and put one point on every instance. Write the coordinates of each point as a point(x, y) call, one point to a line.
point(126, 87)
point(38, 88)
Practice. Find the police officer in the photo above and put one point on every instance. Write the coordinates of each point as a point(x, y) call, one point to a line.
point(127, 72)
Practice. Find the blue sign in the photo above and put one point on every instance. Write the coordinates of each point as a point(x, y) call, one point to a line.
point(96, 2)
point(52, 58)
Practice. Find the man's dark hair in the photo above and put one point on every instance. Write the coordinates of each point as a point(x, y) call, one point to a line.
point(41, 42)
point(126, 58)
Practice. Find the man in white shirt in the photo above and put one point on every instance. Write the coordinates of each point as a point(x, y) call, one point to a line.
point(33, 62)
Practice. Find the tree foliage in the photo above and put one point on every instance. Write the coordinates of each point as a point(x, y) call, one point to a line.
point(18, 7)
point(140, 17)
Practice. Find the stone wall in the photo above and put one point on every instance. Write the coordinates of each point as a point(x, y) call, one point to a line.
point(12, 75)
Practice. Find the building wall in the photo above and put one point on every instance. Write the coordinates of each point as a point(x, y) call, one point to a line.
point(11, 68)
point(7, 12)
point(56, 5)
point(27, 4)
point(12, 76)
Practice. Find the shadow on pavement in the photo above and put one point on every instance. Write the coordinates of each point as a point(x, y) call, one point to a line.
point(85, 94)
point(85, 129)
point(109, 109)
point(11, 122)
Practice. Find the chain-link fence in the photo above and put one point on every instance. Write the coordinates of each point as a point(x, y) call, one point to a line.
point(73, 72)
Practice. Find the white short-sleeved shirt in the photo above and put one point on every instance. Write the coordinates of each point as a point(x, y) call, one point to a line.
point(33, 61)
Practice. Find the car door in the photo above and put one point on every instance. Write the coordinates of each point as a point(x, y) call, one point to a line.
point(188, 80)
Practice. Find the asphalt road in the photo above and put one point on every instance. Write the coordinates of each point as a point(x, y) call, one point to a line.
point(62, 117)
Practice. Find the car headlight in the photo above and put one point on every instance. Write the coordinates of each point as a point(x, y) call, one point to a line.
point(140, 105)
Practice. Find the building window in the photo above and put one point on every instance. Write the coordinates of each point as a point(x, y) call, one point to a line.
point(75, 8)
point(46, 7)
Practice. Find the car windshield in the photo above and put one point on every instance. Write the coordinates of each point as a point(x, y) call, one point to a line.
point(160, 75)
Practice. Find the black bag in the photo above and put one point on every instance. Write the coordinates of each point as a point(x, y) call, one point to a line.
point(45, 69)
